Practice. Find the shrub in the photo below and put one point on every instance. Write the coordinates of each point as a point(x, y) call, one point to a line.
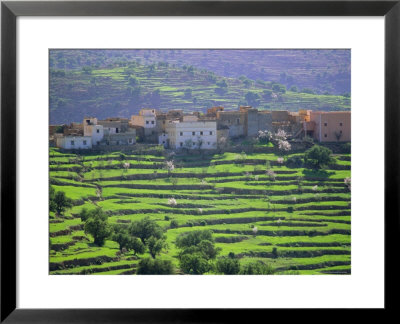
point(294, 161)
point(173, 224)
point(149, 266)
point(317, 157)
point(228, 266)
point(275, 252)
point(346, 148)
point(257, 268)
point(203, 223)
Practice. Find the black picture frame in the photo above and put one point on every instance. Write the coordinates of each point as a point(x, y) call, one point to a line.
point(10, 10)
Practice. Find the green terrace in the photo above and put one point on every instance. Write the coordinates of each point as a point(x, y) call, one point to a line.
point(297, 222)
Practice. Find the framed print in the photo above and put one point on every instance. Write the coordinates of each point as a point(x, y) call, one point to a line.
point(163, 158)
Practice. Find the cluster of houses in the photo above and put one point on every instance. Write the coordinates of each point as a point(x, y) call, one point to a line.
point(175, 129)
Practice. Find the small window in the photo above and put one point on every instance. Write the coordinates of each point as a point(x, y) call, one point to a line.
point(72, 143)
point(210, 133)
point(163, 142)
point(84, 142)
point(208, 143)
point(98, 130)
point(117, 142)
point(152, 122)
point(194, 143)
point(181, 144)
point(340, 124)
point(116, 130)
point(341, 132)
point(325, 124)
point(193, 133)
point(326, 135)
point(147, 122)
point(201, 133)
point(181, 133)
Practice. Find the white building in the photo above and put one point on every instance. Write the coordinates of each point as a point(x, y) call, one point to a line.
point(90, 128)
point(192, 134)
point(163, 139)
point(74, 142)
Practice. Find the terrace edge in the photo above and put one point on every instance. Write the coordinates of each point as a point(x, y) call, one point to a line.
point(9, 13)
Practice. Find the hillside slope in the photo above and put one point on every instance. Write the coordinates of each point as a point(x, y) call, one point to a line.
point(121, 89)
point(325, 71)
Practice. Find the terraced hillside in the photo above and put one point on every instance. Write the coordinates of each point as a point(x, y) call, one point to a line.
point(122, 89)
point(322, 70)
point(297, 221)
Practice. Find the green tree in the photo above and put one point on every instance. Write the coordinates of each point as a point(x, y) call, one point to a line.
point(228, 266)
point(317, 157)
point(279, 88)
point(145, 228)
point(137, 246)
point(122, 238)
point(84, 215)
point(155, 245)
point(61, 202)
point(194, 263)
point(252, 98)
point(52, 195)
point(97, 226)
point(150, 266)
point(197, 251)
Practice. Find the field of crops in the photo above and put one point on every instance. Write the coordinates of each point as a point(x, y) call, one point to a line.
point(295, 220)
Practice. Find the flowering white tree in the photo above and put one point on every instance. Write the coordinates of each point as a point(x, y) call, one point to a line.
point(264, 136)
point(271, 174)
point(169, 165)
point(347, 182)
point(280, 135)
point(126, 165)
point(255, 230)
point(172, 202)
point(279, 160)
point(284, 146)
point(200, 210)
point(315, 188)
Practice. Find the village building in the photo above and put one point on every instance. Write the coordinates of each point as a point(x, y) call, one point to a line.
point(176, 130)
point(191, 133)
point(145, 124)
point(93, 132)
point(330, 126)
point(70, 142)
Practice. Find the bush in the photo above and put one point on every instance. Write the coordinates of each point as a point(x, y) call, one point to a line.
point(317, 157)
point(228, 266)
point(275, 252)
point(294, 161)
point(154, 266)
point(203, 223)
point(173, 224)
point(290, 209)
point(257, 268)
point(346, 148)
